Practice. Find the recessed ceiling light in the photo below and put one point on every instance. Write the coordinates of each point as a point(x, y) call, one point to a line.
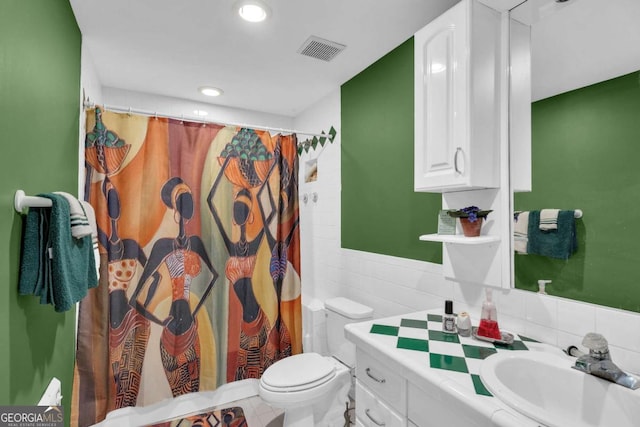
point(252, 10)
point(200, 113)
point(210, 91)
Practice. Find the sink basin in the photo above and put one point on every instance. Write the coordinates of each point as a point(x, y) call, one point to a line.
point(544, 387)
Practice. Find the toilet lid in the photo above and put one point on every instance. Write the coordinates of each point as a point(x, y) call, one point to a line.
point(298, 372)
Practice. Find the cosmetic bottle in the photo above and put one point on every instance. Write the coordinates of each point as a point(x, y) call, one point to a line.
point(463, 323)
point(489, 318)
point(449, 319)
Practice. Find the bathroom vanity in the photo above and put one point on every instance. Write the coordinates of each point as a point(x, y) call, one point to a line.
point(410, 373)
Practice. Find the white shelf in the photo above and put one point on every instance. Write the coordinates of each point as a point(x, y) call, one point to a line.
point(459, 239)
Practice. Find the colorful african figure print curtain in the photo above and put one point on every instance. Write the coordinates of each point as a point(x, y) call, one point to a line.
point(200, 274)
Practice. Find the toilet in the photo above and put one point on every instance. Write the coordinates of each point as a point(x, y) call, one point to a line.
point(313, 389)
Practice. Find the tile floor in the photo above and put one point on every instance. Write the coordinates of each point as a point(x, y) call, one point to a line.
point(260, 414)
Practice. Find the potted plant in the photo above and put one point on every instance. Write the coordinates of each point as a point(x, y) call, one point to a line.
point(471, 219)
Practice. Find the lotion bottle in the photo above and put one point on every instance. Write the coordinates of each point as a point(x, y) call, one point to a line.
point(541, 286)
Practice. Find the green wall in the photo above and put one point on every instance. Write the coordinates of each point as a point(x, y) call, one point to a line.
point(380, 211)
point(39, 110)
point(586, 155)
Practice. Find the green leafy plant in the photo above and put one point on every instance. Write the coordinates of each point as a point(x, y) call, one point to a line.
point(471, 212)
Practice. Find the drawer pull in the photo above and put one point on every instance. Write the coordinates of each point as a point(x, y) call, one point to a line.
point(373, 377)
point(376, 422)
point(455, 161)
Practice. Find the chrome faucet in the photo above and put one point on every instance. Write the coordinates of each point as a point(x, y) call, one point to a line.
point(598, 362)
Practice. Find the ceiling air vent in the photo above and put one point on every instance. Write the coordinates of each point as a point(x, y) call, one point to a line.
point(318, 48)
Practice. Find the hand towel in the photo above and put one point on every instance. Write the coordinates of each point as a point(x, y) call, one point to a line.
point(33, 262)
point(54, 265)
point(77, 216)
point(560, 243)
point(549, 219)
point(520, 232)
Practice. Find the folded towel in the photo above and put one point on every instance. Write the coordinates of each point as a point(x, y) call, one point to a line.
point(520, 232)
point(91, 217)
point(549, 219)
point(54, 265)
point(560, 243)
point(78, 218)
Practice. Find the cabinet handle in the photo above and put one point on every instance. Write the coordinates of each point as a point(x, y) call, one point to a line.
point(376, 422)
point(455, 160)
point(373, 377)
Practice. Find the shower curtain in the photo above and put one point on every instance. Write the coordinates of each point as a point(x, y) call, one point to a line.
point(200, 261)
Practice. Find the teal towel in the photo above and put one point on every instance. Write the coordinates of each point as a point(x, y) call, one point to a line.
point(560, 243)
point(55, 266)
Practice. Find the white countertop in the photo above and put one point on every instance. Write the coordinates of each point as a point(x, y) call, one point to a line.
point(399, 342)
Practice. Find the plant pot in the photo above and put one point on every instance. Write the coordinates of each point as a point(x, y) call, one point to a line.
point(471, 229)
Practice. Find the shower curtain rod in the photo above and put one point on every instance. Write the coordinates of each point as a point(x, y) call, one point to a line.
point(130, 110)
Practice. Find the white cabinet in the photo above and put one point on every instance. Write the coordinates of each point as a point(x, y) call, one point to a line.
point(372, 411)
point(457, 100)
point(381, 394)
point(435, 408)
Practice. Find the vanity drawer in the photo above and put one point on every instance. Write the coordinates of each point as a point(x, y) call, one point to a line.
point(372, 412)
point(382, 381)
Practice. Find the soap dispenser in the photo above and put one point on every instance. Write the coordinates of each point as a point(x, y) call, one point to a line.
point(489, 318)
point(541, 286)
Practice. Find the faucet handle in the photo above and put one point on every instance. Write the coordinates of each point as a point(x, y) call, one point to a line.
point(597, 345)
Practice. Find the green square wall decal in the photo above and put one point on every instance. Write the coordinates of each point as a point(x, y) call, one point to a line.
point(434, 318)
point(523, 338)
point(516, 345)
point(479, 386)
point(413, 344)
point(384, 330)
point(414, 323)
point(442, 336)
point(449, 363)
point(475, 352)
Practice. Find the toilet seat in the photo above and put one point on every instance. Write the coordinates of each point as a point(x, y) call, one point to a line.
point(304, 383)
point(297, 373)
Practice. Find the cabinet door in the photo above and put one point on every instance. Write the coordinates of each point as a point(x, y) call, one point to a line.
point(371, 411)
point(441, 102)
point(380, 378)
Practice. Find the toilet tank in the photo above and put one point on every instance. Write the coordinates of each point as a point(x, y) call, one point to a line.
point(340, 312)
point(314, 328)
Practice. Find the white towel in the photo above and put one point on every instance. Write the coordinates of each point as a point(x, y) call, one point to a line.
point(79, 222)
point(91, 219)
point(521, 232)
point(549, 219)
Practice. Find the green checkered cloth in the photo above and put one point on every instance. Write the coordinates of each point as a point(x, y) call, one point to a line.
point(423, 340)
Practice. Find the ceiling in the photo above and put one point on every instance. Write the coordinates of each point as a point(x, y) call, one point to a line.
point(171, 48)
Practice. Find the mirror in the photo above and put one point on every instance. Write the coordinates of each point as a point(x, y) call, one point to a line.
point(576, 43)
point(585, 134)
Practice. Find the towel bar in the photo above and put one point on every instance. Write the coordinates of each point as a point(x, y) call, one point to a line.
point(577, 213)
point(22, 201)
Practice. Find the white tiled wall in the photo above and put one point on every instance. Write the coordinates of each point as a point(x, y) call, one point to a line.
point(394, 286)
